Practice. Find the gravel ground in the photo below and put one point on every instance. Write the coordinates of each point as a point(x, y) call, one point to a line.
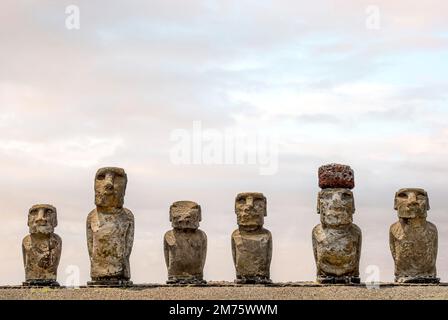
point(223, 292)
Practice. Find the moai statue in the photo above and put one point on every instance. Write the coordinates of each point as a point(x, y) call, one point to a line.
point(42, 247)
point(185, 246)
point(110, 231)
point(412, 239)
point(336, 241)
point(251, 243)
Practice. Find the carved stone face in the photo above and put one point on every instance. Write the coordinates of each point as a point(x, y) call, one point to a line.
point(42, 218)
point(411, 203)
point(250, 208)
point(110, 187)
point(185, 215)
point(335, 206)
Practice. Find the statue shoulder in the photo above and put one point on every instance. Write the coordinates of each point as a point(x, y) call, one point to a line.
point(317, 229)
point(129, 213)
point(395, 228)
point(26, 242)
point(56, 237)
point(169, 236)
point(91, 215)
point(169, 233)
point(202, 234)
point(431, 227)
point(266, 232)
point(356, 229)
point(235, 233)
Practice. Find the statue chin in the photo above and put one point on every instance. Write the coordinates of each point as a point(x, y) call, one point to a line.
point(108, 201)
point(42, 230)
point(250, 227)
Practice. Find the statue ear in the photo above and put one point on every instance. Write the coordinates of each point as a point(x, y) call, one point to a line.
point(200, 213)
point(265, 206)
point(396, 201)
point(318, 202)
point(171, 216)
point(55, 219)
point(354, 207)
point(28, 222)
point(427, 201)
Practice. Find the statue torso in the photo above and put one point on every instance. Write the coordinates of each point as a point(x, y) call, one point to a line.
point(337, 250)
point(41, 256)
point(109, 242)
point(186, 252)
point(252, 252)
point(415, 249)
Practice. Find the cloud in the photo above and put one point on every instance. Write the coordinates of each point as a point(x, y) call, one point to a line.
point(310, 74)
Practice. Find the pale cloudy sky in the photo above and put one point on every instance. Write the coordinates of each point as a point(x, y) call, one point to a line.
point(315, 75)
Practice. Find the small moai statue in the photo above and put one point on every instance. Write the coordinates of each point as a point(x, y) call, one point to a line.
point(412, 239)
point(185, 246)
point(251, 243)
point(110, 231)
point(336, 241)
point(42, 247)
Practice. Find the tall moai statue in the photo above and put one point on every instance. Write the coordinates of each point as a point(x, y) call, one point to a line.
point(336, 241)
point(185, 246)
point(251, 243)
point(110, 231)
point(42, 247)
point(412, 239)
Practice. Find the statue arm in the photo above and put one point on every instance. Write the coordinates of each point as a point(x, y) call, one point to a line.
point(314, 246)
point(359, 248)
point(205, 250)
point(435, 244)
point(89, 235)
point(130, 238)
point(24, 253)
point(233, 251)
point(392, 243)
point(269, 258)
point(269, 249)
point(57, 251)
point(166, 251)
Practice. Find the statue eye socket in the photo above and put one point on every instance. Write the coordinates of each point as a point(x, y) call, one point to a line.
point(101, 177)
point(49, 211)
point(421, 197)
point(33, 212)
point(346, 196)
point(402, 195)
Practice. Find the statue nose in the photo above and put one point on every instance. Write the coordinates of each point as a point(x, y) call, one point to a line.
point(41, 216)
point(412, 199)
point(109, 186)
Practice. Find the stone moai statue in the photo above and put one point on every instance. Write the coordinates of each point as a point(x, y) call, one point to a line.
point(110, 231)
point(251, 243)
point(412, 239)
point(336, 241)
point(42, 247)
point(185, 246)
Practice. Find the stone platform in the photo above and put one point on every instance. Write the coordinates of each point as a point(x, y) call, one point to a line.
point(228, 290)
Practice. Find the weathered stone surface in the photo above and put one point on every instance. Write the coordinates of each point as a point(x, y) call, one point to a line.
point(336, 176)
point(412, 239)
point(336, 241)
point(185, 246)
point(110, 230)
point(251, 243)
point(42, 247)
